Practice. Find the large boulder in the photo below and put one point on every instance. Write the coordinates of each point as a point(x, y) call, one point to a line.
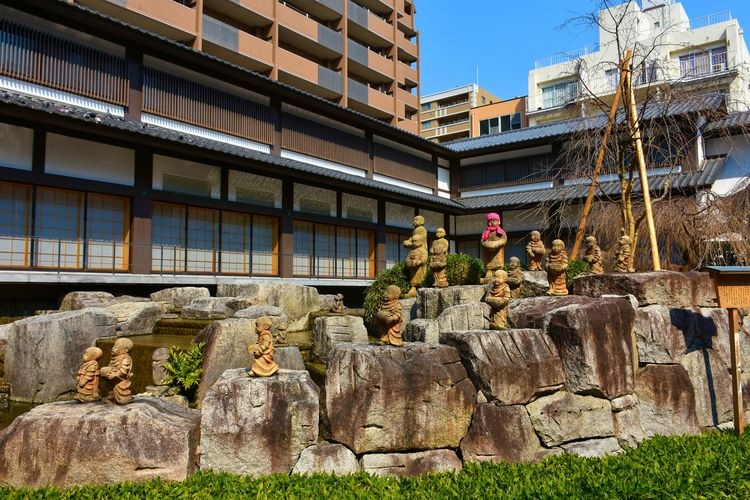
point(288, 357)
point(592, 336)
point(510, 366)
point(563, 417)
point(43, 353)
point(408, 311)
point(74, 301)
point(385, 399)
point(258, 425)
point(326, 458)
point(463, 317)
point(411, 464)
point(666, 400)
point(668, 288)
point(665, 334)
point(72, 444)
point(179, 297)
point(433, 301)
point(712, 384)
point(331, 330)
point(626, 419)
point(502, 433)
point(296, 301)
point(226, 347)
point(534, 284)
point(213, 308)
point(135, 318)
point(422, 330)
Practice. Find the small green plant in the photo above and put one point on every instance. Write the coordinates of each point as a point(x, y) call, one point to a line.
point(375, 293)
point(575, 268)
point(185, 367)
point(463, 269)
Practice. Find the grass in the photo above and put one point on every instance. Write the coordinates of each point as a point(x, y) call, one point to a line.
point(714, 465)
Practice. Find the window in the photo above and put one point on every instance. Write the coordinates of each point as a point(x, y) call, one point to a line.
point(703, 63)
point(394, 248)
point(500, 124)
point(15, 225)
point(559, 94)
point(333, 251)
point(612, 77)
point(107, 232)
point(426, 106)
point(646, 72)
point(59, 229)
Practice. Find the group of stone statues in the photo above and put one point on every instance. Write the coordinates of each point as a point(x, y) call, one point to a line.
point(119, 371)
point(418, 257)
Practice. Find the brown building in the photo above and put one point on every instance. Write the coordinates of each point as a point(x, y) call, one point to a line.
point(361, 54)
point(498, 117)
point(445, 115)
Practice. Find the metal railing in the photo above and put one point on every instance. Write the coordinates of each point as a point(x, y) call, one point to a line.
point(562, 57)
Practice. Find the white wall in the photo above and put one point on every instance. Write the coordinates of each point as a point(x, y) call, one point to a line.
point(16, 146)
point(84, 159)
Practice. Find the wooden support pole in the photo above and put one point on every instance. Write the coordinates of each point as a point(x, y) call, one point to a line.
point(635, 132)
point(625, 63)
point(734, 353)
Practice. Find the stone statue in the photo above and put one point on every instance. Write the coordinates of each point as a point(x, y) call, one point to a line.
point(515, 277)
point(338, 304)
point(416, 260)
point(493, 245)
point(498, 299)
point(87, 389)
point(263, 351)
point(535, 251)
point(158, 370)
point(439, 258)
point(623, 255)
point(389, 317)
point(557, 263)
point(592, 256)
point(120, 369)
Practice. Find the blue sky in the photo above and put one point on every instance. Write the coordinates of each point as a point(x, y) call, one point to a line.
point(504, 38)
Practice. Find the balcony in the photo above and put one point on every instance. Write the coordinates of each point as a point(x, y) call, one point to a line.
point(369, 65)
point(307, 75)
point(407, 51)
point(407, 74)
point(452, 130)
point(325, 10)
point(255, 13)
point(236, 46)
point(382, 7)
point(369, 100)
point(410, 100)
point(368, 28)
point(298, 30)
point(164, 17)
point(451, 109)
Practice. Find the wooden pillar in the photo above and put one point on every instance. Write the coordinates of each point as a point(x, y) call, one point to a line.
point(135, 84)
point(736, 369)
point(370, 154)
point(140, 228)
point(286, 242)
point(276, 118)
point(380, 262)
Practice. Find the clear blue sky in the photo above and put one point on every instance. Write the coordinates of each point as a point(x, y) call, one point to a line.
point(505, 37)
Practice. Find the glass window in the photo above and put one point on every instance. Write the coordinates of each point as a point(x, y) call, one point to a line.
point(559, 94)
point(432, 220)
point(202, 239)
point(314, 200)
point(612, 77)
point(398, 215)
point(394, 248)
point(15, 224)
point(183, 176)
point(167, 237)
point(255, 189)
point(265, 247)
point(426, 106)
point(325, 240)
point(304, 236)
point(359, 208)
point(59, 228)
point(515, 122)
point(469, 247)
point(107, 232)
point(331, 251)
point(16, 146)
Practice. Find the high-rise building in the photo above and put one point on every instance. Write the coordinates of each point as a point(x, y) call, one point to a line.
point(670, 52)
point(445, 115)
point(361, 54)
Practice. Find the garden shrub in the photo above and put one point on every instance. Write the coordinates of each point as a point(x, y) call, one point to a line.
point(184, 368)
point(575, 268)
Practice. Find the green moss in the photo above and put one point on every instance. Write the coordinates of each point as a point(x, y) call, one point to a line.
point(575, 268)
point(713, 465)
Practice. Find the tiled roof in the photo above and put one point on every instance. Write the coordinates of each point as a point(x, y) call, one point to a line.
point(246, 71)
point(683, 181)
point(101, 119)
point(692, 104)
point(735, 120)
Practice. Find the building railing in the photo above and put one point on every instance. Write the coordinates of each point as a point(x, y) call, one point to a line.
point(58, 254)
point(566, 56)
point(42, 58)
point(710, 19)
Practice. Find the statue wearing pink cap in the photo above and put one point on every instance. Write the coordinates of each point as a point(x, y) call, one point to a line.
point(493, 244)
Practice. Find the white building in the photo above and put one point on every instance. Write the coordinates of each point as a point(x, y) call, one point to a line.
point(706, 53)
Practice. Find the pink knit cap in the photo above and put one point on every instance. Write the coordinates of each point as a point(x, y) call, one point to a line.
point(492, 216)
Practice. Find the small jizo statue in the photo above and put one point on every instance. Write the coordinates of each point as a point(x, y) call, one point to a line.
point(535, 251)
point(120, 369)
point(389, 317)
point(493, 246)
point(263, 351)
point(623, 255)
point(416, 260)
point(498, 299)
point(557, 263)
point(87, 389)
point(592, 256)
point(515, 277)
point(439, 258)
point(338, 304)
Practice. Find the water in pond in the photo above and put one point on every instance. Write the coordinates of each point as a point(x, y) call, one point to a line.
point(11, 411)
point(143, 350)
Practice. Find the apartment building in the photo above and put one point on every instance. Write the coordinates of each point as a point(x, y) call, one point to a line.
point(445, 115)
point(498, 117)
point(360, 54)
point(671, 52)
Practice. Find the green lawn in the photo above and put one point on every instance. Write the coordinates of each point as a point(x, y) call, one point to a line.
point(715, 465)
